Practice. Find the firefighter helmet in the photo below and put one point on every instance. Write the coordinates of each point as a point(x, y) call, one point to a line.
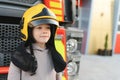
point(38, 14)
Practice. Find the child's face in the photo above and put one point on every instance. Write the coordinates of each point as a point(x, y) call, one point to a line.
point(41, 33)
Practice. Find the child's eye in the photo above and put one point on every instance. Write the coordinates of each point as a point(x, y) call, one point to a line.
point(39, 27)
point(48, 27)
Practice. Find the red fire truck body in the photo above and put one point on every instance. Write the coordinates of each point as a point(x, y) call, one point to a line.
point(66, 10)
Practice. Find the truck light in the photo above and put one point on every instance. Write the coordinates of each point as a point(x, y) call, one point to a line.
point(72, 68)
point(71, 45)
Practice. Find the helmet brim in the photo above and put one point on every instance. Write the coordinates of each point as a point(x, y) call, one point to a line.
point(43, 21)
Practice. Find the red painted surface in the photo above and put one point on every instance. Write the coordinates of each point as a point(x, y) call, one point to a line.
point(4, 70)
point(117, 45)
point(79, 4)
point(47, 3)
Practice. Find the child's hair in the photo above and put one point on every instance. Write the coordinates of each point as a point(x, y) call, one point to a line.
point(30, 39)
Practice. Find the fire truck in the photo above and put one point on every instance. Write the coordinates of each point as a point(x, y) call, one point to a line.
point(68, 39)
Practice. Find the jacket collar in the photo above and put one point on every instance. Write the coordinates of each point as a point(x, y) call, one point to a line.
point(37, 47)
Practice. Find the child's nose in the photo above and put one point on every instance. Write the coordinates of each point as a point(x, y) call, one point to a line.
point(44, 32)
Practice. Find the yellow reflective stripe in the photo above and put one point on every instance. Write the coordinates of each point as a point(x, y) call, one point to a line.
point(55, 4)
point(59, 18)
point(60, 48)
point(57, 11)
point(63, 78)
